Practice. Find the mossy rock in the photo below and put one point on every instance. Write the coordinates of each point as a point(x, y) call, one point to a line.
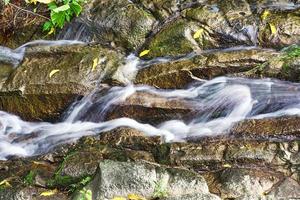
point(279, 29)
point(32, 93)
point(172, 40)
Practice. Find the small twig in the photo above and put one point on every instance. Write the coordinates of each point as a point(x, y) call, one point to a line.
point(28, 11)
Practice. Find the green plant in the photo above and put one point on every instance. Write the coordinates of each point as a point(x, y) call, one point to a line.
point(29, 178)
point(160, 190)
point(60, 13)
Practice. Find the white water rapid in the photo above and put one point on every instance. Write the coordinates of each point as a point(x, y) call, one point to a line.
point(219, 104)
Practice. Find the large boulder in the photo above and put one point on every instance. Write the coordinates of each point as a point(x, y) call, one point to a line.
point(34, 93)
point(148, 180)
point(179, 73)
point(116, 22)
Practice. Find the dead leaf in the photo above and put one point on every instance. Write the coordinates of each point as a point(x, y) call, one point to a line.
point(53, 72)
point(5, 183)
point(145, 52)
point(135, 197)
point(95, 63)
point(49, 193)
point(199, 33)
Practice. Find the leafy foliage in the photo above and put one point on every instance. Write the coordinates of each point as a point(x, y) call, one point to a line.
point(60, 13)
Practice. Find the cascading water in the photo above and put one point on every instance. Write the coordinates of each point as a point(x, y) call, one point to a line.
point(218, 104)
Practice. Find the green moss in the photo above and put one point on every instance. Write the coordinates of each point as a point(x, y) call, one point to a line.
point(171, 41)
point(290, 53)
point(160, 190)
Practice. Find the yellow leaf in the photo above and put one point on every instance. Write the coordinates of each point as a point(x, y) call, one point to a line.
point(198, 33)
point(95, 63)
point(273, 29)
point(44, 1)
point(53, 72)
point(227, 166)
point(49, 193)
point(265, 14)
point(119, 198)
point(52, 30)
point(33, 1)
point(135, 197)
point(5, 183)
point(145, 52)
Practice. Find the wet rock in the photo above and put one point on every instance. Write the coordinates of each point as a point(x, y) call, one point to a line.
point(150, 108)
point(179, 73)
point(142, 179)
point(266, 128)
point(174, 39)
point(33, 94)
point(130, 139)
point(119, 22)
point(284, 66)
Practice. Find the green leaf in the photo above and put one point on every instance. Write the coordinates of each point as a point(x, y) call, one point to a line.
point(47, 26)
point(52, 6)
point(58, 19)
point(6, 2)
point(76, 8)
point(61, 8)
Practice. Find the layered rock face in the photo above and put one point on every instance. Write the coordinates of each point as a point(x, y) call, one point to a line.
point(187, 42)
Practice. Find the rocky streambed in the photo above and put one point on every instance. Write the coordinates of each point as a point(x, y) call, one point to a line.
point(211, 111)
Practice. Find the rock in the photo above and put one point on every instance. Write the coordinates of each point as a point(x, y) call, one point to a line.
point(143, 179)
point(161, 10)
point(179, 73)
point(281, 127)
point(151, 109)
point(120, 22)
point(130, 139)
point(284, 66)
point(244, 184)
point(278, 29)
point(32, 94)
point(287, 189)
point(174, 39)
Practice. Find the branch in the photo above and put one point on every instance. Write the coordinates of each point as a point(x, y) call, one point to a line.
point(28, 11)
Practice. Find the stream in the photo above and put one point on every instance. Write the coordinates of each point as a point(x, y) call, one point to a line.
point(218, 103)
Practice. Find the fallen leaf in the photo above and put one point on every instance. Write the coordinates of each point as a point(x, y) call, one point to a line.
point(273, 29)
point(95, 63)
point(52, 30)
point(5, 183)
point(145, 52)
point(227, 166)
point(119, 198)
point(49, 193)
point(198, 34)
point(265, 14)
point(135, 197)
point(53, 72)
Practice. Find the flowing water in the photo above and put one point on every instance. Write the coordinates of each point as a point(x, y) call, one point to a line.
point(218, 104)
